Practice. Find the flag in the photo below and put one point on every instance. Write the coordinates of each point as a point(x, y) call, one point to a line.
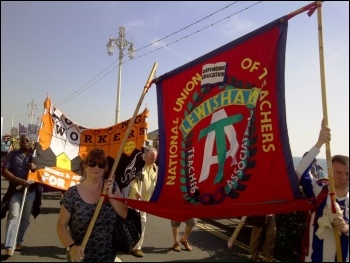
point(63, 145)
point(223, 139)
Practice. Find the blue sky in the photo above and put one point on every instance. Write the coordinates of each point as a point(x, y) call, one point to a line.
point(59, 49)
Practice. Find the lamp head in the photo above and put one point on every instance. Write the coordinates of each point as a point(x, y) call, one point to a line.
point(110, 48)
point(131, 51)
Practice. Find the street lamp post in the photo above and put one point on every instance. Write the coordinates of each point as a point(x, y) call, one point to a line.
point(121, 43)
point(31, 106)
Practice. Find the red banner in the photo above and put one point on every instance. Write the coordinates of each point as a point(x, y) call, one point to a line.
point(223, 138)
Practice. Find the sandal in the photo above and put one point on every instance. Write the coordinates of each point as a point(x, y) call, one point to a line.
point(176, 247)
point(186, 245)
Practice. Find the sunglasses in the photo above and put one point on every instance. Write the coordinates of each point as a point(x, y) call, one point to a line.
point(93, 164)
point(24, 141)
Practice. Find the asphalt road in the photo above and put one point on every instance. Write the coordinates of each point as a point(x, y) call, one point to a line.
point(209, 241)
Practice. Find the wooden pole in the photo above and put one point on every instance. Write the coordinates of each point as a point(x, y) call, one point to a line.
point(303, 9)
point(116, 161)
point(236, 232)
point(325, 122)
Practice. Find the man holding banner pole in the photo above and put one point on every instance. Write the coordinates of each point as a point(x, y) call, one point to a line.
point(328, 216)
point(20, 194)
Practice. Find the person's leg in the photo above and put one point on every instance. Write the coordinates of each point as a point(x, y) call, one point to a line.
point(254, 244)
point(25, 219)
point(189, 226)
point(11, 223)
point(187, 232)
point(143, 226)
point(136, 251)
point(270, 238)
point(175, 231)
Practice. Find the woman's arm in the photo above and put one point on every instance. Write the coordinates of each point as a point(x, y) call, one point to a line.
point(76, 250)
point(62, 227)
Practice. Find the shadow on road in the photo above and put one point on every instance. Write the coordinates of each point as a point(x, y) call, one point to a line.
point(50, 210)
point(39, 251)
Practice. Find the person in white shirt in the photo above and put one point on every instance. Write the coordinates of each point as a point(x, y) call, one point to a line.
point(320, 244)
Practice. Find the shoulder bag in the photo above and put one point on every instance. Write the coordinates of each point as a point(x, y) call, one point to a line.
point(127, 232)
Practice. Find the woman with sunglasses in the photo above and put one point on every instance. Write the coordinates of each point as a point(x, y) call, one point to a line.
point(78, 206)
point(15, 169)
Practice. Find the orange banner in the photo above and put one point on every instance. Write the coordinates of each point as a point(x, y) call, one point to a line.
point(63, 145)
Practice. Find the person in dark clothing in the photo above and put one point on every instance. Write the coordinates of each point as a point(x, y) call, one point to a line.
point(15, 169)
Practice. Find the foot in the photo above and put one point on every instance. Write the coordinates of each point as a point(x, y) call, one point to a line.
point(19, 247)
point(186, 245)
point(176, 247)
point(9, 252)
point(137, 253)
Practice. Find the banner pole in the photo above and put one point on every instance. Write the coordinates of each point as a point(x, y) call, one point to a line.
point(308, 7)
point(236, 232)
point(325, 122)
point(116, 161)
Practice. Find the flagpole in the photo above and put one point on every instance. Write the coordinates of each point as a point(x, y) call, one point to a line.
point(116, 160)
point(236, 232)
point(310, 7)
point(325, 122)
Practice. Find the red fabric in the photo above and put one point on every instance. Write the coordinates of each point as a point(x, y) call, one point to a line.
point(223, 140)
point(184, 211)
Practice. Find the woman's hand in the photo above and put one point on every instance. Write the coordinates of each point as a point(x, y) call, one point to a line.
point(76, 253)
point(118, 206)
point(108, 186)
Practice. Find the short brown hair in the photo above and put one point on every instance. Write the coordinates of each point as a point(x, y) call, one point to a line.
point(340, 159)
point(96, 154)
